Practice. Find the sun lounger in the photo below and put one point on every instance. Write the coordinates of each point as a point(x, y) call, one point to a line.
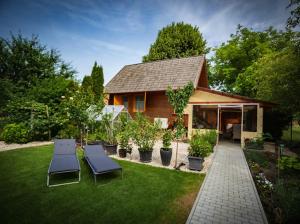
point(64, 160)
point(99, 162)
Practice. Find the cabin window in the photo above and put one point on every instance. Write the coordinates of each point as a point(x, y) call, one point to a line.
point(139, 103)
point(250, 118)
point(125, 101)
point(205, 117)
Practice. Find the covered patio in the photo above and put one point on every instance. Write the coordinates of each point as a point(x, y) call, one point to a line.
point(234, 117)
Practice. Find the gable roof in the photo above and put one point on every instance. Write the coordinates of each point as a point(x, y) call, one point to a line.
point(157, 75)
point(239, 97)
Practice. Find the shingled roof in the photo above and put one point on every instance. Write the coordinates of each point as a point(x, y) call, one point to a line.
point(157, 75)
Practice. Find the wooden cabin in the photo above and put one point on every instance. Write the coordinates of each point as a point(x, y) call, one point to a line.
point(142, 88)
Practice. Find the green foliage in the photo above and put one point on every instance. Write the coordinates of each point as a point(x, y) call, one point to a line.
point(294, 19)
point(210, 136)
point(255, 143)
point(69, 131)
point(289, 163)
point(24, 60)
point(179, 99)
point(235, 60)
point(175, 41)
point(97, 80)
point(198, 147)
point(167, 138)
point(277, 79)
point(87, 82)
point(144, 132)
point(274, 122)
point(16, 133)
point(111, 128)
point(124, 132)
point(258, 158)
point(33, 79)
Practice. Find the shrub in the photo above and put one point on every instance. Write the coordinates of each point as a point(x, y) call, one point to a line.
point(289, 163)
point(144, 132)
point(199, 147)
point(123, 138)
point(210, 136)
point(255, 143)
point(16, 133)
point(166, 139)
point(69, 131)
point(111, 128)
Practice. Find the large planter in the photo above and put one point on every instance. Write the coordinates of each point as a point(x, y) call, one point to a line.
point(195, 163)
point(145, 156)
point(165, 156)
point(122, 153)
point(95, 142)
point(110, 149)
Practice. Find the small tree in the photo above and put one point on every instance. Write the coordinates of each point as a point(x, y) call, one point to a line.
point(179, 99)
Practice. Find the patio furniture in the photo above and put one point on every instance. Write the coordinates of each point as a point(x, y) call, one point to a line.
point(64, 160)
point(99, 162)
point(236, 132)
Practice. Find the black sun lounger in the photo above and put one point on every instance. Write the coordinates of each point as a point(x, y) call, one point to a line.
point(64, 160)
point(99, 162)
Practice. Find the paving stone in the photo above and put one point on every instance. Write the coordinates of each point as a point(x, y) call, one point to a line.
point(228, 194)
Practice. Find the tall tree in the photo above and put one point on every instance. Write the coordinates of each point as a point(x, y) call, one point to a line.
point(175, 41)
point(24, 63)
point(87, 83)
point(233, 60)
point(97, 81)
point(294, 19)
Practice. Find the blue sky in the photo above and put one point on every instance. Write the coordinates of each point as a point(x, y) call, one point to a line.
point(116, 33)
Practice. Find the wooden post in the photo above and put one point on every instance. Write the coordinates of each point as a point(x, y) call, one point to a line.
point(218, 125)
point(145, 97)
point(291, 129)
point(175, 166)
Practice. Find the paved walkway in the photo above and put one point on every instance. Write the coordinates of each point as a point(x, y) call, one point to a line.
point(228, 194)
point(6, 147)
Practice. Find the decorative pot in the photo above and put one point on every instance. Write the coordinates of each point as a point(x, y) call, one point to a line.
point(165, 156)
point(195, 163)
point(110, 149)
point(122, 153)
point(145, 156)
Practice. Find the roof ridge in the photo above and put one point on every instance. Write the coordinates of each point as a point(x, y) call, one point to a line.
point(167, 59)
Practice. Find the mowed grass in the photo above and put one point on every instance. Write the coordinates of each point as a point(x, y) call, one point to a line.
point(145, 194)
point(296, 134)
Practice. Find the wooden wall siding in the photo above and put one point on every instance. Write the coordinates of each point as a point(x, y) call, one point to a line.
point(203, 80)
point(157, 105)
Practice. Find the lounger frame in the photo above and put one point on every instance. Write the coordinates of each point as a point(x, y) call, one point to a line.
point(103, 172)
point(64, 171)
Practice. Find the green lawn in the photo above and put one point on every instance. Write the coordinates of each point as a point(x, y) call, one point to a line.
point(296, 134)
point(145, 195)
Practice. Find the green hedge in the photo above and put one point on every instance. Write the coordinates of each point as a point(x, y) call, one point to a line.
point(16, 133)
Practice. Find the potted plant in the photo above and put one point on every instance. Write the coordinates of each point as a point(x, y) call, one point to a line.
point(110, 139)
point(198, 150)
point(144, 134)
point(123, 141)
point(166, 150)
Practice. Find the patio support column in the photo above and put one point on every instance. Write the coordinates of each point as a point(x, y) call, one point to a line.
point(218, 125)
point(242, 126)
